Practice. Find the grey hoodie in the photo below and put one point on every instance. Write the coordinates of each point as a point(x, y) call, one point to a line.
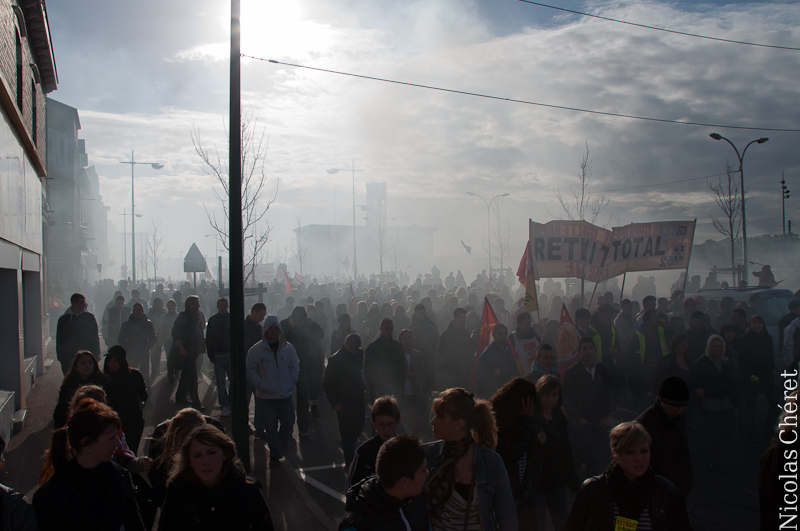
point(273, 374)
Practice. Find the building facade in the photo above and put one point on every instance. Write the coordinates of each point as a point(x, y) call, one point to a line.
point(27, 74)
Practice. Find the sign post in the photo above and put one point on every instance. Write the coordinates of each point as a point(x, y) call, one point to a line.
point(194, 262)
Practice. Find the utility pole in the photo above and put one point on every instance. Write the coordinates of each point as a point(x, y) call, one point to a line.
point(784, 196)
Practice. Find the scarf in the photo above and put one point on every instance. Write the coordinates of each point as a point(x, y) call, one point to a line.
point(631, 497)
point(442, 479)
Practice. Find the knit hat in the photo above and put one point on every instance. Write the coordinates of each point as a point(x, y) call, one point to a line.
point(674, 391)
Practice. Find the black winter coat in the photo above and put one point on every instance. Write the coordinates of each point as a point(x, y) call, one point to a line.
point(757, 360)
point(385, 368)
point(593, 509)
point(343, 381)
point(125, 392)
point(305, 339)
point(67, 391)
point(368, 507)
point(455, 357)
point(137, 335)
point(234, 504)
point(512, 445)
point(715, 383)
point(558, 465)
point(74, 333)
point(80, 499)
point(585, 397)
point(669, 453)
point(218, 335)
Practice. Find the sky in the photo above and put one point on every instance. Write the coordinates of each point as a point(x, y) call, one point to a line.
point(145, 78)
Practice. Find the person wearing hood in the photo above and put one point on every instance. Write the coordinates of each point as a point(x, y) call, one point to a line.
point(303, 333)
point(273, 370)
point(545, 364)
point(394, 499)
point(137, 336)
point(76, 330)
point(666, 424)
point(628, 495)
point(127, 395)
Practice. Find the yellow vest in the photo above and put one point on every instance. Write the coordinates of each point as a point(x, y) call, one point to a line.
point(663, 340)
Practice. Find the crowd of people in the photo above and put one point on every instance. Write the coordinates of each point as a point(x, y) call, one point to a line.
point(514, 427)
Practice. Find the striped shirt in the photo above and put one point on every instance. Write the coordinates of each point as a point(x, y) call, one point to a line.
point(643, 523)
point(452, 516)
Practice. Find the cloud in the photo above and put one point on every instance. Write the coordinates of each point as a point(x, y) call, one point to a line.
point(431, 147)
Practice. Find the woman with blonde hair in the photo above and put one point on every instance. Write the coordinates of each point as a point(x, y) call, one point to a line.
point(207, 488)
point(468, 486)
point(629, 495)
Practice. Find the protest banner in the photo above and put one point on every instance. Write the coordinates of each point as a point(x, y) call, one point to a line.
point(578, 249)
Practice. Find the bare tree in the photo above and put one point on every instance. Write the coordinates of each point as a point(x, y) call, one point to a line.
point(299, 244)
point(726, 196)
point(255, 228)
point(143, 262)
point(396, 252)
point(154, 242)
point(501, 248)
point(378, 245)
point(580, 204)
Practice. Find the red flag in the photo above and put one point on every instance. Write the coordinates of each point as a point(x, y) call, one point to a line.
point(567, 348)
point(525, 265)
point(287, 283)
point(488, 321)
point(298, 277)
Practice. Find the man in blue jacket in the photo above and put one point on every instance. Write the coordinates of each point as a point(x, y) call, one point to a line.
point(273, 370)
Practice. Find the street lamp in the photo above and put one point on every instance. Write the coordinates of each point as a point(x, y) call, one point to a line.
point(354, 170)
point(784, 196)
point(155, 166)
point(125, 241)
point(488, 224)
point(716, 136)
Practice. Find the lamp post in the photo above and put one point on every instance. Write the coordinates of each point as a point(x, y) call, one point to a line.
point(124, 239)
point(488, 224)
point(354, 170)
point(784, 196)
point(155, 166)
point(716, 136)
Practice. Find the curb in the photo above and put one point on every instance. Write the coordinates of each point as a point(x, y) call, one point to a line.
point(312, 506)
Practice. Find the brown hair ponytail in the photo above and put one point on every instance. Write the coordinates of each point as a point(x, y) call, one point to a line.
point(476, 413)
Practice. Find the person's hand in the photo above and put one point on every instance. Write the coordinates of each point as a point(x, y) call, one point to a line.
point(528, 404)
point(542, 436)
point(700, 392)
point(338, 407)
point(147, 464)
point(583, 422)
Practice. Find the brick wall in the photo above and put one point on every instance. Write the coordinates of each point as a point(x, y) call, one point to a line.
point(9, 29)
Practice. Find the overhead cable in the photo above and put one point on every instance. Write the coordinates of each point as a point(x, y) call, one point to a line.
point(661, 29)
point(512, 100)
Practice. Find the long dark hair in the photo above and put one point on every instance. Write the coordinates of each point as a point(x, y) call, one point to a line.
point(507, 402)
point(546, 385)
point(117, 352)
point(72, 375)
point(88, 422)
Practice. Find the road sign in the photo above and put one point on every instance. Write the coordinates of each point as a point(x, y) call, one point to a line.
point(194, 262)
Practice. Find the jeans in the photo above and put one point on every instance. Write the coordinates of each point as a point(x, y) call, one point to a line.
point(155, 361)
point(274, 411)
point(222, 370)
point(188, 383)
point(555, 502)
point(351, 422)
point(302, 399)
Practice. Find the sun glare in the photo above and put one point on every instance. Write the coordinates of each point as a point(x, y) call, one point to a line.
point(273, 29)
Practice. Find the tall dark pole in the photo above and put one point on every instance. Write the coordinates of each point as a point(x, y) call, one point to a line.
point(239, 411)
point(715, 136)
point(784, 197)
point(355, 262)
